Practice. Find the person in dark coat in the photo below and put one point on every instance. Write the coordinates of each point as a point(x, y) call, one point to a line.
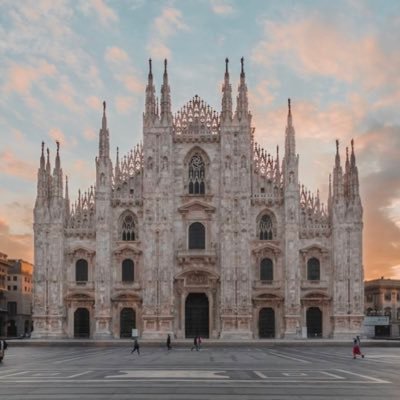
point(356, 348)
point(195, 344)
point(3, 348)
point(169, 342)
point(135, 347)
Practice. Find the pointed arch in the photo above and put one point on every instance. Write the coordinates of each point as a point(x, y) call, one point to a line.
point(266, 226)
point(197, 164)
point(128, 227)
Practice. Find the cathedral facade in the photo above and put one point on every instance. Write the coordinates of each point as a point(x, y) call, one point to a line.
point(198, 231)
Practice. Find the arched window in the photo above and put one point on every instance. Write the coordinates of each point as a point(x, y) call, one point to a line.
point(313, 269)
point(81, 271)
point(266, 270)
point(128, 270)
point(128, 228)
point(266, 228)
point(197, 236)
point(196, 175)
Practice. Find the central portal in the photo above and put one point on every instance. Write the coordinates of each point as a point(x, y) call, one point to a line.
point(196, 315)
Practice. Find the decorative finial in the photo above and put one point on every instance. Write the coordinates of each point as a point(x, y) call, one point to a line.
point(337, 146)
point(290, 107)
point(104, 107)
point(352, 145)
point(42, 147)
point(58, 146)
point(48, 152)
point(165, 66)
point(226, 65)
point(150, 71)
point(242, 63)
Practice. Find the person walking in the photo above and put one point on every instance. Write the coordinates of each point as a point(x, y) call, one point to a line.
point(3, 348)
point(169, 342)
point(136, 347)
point(356, 348)
point(195, 344)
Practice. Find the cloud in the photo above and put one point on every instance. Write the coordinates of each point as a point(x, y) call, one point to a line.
point(89, 134)
point(11, 165)
point(57, 135)
point(105, 13)
point(165, 25)
point(221, 7)
point(124, 104)
point(338, 53)
point(16, 245)
point(116, 55)
point(94, 103)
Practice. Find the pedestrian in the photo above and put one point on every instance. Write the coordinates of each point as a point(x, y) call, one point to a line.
point(195, 344)
point(135, 347)
point(3, 348)
point(169, 342)
point(198, 343)
point(356, 348)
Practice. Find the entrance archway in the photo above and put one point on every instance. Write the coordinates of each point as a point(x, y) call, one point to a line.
point(81, 323)
point(314, 322)
point(127, 322)
point(197, 315)
point(266, 323)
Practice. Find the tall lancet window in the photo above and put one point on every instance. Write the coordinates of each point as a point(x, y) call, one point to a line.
point(266, 228)
point(196, 175)
point(128, 228)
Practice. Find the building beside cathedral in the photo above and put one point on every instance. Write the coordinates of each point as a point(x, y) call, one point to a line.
point(199, 231)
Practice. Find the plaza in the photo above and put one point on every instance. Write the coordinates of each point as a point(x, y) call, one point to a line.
point(218, 371)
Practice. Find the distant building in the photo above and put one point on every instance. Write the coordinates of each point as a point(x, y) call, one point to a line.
point(19, 298)
point(382, 307)
point(4, 266)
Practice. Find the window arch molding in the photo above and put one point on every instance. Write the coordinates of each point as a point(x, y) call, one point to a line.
point(266, 226)
point(196, 172)
point(128, 227)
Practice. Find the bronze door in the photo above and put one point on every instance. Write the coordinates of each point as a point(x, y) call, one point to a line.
point(266, 323)
point(197, 315)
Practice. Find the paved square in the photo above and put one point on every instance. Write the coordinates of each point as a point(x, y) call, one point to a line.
point(212, 373)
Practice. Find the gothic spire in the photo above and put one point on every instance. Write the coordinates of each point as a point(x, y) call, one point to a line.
point(242, 108)
point(42, 160)
point(337, 175)
point(48, 168)
point(66, 197)
point(117, 166)
point(354, 172)
point(58, 164)
point(166, 114)
point(226, 114)
point(104, 141)
point(290, 140)
point(150, 104)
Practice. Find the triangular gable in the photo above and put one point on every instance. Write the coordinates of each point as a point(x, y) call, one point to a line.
point(196, 205)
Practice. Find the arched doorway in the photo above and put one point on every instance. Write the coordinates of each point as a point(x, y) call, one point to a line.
point(127, 322)
point(266, 323)
point(197, 315)
point(81, 323)
point(314, 322)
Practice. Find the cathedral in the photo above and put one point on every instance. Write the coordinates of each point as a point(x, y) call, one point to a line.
point(198, 231)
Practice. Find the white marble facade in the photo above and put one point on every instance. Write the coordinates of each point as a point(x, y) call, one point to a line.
point(199, 225)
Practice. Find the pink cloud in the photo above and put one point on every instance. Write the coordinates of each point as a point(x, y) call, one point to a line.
point(11, 165)
point(21, 78)
point(16, 245)
point(124, 104)
point(94, 102)
point(221, 7)
point(57, 135)
point(116, 55)
point(89, 134)
point(316, 47)
point(105, 13)
point(131, 83)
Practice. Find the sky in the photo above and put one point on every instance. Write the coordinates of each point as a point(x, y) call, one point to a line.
point(338, 61)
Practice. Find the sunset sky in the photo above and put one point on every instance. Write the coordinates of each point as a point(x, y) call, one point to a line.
point(339, 62)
